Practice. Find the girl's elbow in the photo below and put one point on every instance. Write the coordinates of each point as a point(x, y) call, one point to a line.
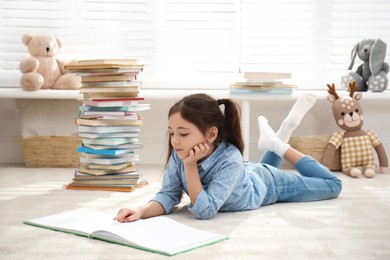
point(205, 215)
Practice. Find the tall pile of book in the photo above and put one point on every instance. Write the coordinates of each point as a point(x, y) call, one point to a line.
point(109, 125)
point(263, 82)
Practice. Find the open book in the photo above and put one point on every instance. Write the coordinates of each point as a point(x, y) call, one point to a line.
point(158, 235)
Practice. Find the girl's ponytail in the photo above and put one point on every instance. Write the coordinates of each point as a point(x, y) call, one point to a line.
point(232, 131)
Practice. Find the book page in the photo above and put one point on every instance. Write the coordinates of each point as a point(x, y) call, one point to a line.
point(160, 234)
point(81, 222)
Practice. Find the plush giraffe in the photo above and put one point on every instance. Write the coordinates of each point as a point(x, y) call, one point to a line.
point(356, 145)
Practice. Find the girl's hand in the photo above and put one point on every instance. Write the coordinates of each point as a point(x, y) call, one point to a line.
point(198, 152)
point(128, 215)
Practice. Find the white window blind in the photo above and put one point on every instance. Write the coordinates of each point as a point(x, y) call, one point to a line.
point(200, 44)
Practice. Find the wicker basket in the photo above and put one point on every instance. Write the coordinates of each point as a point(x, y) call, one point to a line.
point(315, 146)
point(51, 151)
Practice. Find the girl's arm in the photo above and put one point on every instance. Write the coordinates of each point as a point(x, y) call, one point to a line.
point(151, 209)
point(191, 170)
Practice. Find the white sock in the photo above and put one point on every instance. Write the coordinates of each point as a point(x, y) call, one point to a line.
point(294, 117)
point(268, 141)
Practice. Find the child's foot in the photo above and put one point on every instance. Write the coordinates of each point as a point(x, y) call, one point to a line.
point(268, 141)
point(303, 104)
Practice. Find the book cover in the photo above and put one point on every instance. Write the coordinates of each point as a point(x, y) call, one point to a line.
point(158, 234)
point(111, 167)
point(132, 89)
point(107, 161)
point(110, 141)
point(95, 95)
point(94, 67)
point(102, 172)
point(128, 188)
point(266, 75)
point(129, 79)
point(132, 173)
point(108, 122)
point(108, 129)
point(109, 135)
point(111, 84)
point(114, 106)
point(112, 152)
point(119, 146)
point(106, 71)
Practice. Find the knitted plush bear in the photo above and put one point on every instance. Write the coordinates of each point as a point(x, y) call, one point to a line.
point(356, 145)
point(43, 70)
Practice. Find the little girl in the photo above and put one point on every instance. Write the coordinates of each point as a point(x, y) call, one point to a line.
point(205, 161)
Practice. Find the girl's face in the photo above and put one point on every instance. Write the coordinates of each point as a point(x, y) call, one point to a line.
point(184, 135)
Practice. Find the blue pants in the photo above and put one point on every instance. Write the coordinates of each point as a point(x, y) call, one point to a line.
point(314, 181)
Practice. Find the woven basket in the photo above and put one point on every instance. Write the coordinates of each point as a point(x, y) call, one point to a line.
point(315, 146)
point(51, 151)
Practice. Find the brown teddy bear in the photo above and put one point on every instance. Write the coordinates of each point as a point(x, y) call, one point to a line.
point(356, 145)
point(43, 70)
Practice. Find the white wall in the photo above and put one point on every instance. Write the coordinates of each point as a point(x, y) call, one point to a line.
point(319, 121)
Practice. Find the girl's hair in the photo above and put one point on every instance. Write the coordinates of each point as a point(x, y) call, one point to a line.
point(204, 112)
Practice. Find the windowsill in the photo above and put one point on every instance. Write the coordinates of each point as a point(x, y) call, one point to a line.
point(17, 93)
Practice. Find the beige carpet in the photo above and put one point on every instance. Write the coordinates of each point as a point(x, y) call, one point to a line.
point(354, 226)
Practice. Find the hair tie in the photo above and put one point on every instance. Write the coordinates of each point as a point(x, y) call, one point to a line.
point(220, 102)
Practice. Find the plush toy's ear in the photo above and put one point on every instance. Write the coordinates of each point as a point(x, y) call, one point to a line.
point(26, 38)
point(353, 55)
point(377, 56)
point(332, 94)
point(59, 42)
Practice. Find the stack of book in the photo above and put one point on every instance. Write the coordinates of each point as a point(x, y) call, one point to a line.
point(109, 125)
point(263, 82)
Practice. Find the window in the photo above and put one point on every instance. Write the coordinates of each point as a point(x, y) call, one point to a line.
point(200, 44)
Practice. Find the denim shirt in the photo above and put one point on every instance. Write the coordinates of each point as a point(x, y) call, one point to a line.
point(227, 184)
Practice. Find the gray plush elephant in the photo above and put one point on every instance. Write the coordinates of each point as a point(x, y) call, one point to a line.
point(372, 74)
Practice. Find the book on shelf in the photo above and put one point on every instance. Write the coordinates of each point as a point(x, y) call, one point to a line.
point(106, 71)
point(263, 83)
point(266, 75)
point(260, 91)
point(107, 61)
point(255, 85)
point(158, 234)
point(109, 122)
point(95, 67)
